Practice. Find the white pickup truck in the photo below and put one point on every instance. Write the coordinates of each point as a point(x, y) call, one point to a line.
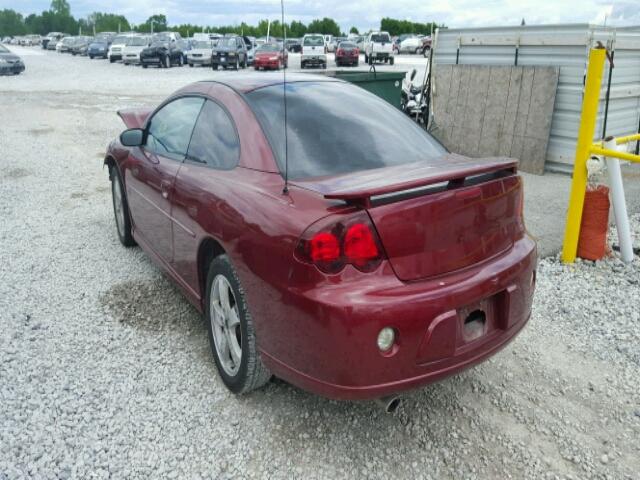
point(314, 51)
point(379, 48)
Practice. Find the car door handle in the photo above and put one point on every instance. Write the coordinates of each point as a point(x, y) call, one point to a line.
point(165, 187)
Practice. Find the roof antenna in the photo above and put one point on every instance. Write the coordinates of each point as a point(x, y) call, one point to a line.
point(285, 190)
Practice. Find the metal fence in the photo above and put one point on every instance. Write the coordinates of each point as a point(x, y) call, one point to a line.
point(567, 47)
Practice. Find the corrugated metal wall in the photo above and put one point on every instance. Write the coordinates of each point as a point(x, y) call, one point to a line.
point(567, 47)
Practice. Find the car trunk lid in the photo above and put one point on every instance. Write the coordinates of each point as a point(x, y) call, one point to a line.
point(436, 218)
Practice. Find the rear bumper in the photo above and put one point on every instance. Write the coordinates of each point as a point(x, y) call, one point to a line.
point(313, 59)
point(11, 68)
point(348, 60)
point(334, 351)
point(266, 63)
point(199, 60)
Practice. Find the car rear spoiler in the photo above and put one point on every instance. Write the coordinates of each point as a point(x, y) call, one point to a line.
point(393, 180)
point(135, 117)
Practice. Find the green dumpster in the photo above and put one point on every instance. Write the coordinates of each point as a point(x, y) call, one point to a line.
point(386, 85)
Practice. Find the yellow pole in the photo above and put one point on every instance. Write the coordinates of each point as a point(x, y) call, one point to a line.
point(585, 140)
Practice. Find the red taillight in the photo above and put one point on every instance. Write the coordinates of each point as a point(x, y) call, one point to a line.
point(340, 52)
point(360, 245)
point(330, 245)
point(324, 248)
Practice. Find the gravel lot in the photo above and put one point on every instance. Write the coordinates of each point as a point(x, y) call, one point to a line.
point(106, 370)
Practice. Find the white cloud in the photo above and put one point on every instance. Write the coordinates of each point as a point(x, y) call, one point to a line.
point(363, 14)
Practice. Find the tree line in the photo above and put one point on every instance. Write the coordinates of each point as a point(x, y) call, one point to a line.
point(59, 19)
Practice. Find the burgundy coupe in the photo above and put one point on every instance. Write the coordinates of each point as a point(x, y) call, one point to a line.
point(385, 263)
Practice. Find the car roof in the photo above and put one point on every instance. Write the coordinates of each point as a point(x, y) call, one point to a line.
point(247, 82)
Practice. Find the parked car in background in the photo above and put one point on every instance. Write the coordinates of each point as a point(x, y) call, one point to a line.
point(10, 63)
point(164, 51)
point(30, 40)
point(133, 48)
point(64, 45)
point(314, 51)
point(426, 46)
point(293, 45)
point(99, 47)
point(230, 52)
point(411, 44)
point(270, 56)
point(81, 46)
point(400, 265)
point(52, 40)
point(251, 44)
point(114, 53)
point(347, 54)
point(333, 45)
point(361, 43)
point(201, 53)
point(379, 48)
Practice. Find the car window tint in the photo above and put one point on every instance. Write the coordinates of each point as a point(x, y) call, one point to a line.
point(171, 127)
point(215, 141)
point(335, 128)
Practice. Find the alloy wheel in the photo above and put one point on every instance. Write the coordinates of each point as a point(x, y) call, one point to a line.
point(225, 325)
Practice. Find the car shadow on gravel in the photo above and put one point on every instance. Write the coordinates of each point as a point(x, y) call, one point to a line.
point(151, 305)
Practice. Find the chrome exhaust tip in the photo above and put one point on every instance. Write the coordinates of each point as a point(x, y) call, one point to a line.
point(389, 404)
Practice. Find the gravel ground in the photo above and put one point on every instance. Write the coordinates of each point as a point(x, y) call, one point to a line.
point(106, 370)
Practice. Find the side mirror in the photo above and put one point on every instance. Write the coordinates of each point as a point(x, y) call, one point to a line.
point(133, 137)
point(413, 74)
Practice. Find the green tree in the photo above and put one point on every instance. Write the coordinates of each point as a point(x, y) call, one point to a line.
point(107, 22)
point(61, 7)
point(399, 27)
point(159, 22)
point(354, 30)
point(326, 26)
point(11, 23)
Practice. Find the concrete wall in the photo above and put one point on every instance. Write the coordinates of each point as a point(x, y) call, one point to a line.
point(483, 111)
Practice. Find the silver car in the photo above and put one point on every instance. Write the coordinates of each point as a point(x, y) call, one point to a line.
point(200, 53)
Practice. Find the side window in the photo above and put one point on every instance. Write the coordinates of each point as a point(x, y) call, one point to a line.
point(171, 127)
point(215, 141)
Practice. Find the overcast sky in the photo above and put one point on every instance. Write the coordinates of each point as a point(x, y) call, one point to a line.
point(361, 13)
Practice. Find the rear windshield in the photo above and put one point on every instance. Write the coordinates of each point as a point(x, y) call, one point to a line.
point(269, 47)
point(336, 128)
point(380, 38)
point(347, 45)
point(137, 42)
point(120, 40)
point(316, 41)
point(204, 44)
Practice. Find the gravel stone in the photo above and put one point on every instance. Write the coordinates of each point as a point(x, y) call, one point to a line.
point(106, 370)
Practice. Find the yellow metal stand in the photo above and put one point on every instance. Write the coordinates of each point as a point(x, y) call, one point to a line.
point(585, 148)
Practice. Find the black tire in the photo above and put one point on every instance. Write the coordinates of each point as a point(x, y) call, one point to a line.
point(417, 52)
point(244, 63)
point(251, 374)
point(237, 66)
point(392, 60)
point(167, 61)
point(91, 57)
point(125, 236)
point(111, 60)
point(191, 65)
point(180, 61)
point(366, 59)
point(214, 67)
point(144, 65)
point(425, 52)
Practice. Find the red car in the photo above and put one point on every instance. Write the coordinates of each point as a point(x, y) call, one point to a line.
point(270, 57)
point(353, 257)
point(347, 53)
